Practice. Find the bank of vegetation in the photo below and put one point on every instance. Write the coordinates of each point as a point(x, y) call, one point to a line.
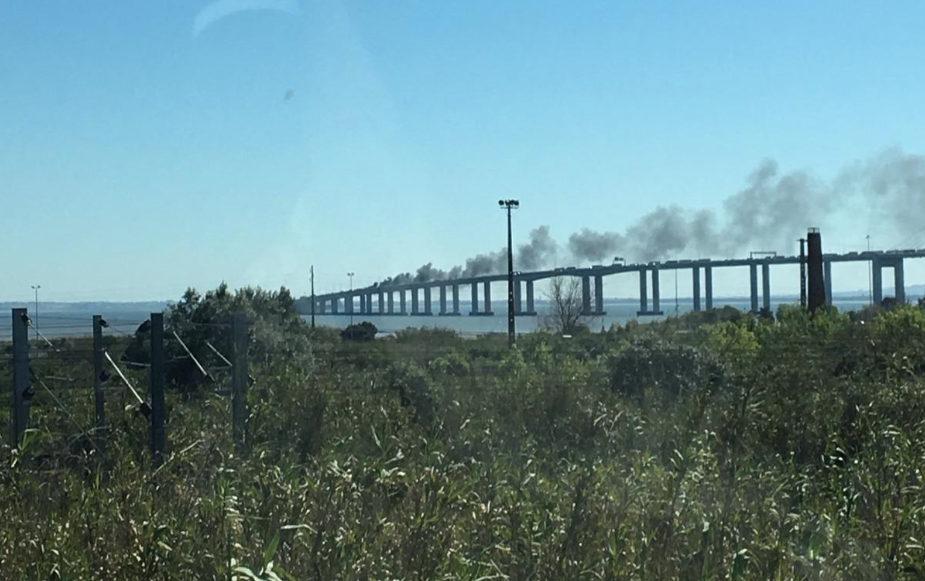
point(715, 446)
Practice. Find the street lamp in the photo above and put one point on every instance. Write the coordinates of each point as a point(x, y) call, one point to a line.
point(35, 326)
point(509, 205)
point(350, 298)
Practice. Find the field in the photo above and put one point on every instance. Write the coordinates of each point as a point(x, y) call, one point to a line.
point(716, 446)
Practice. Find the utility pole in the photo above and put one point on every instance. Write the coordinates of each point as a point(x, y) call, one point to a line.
point(350, 298)
point(313, 295)
point(509, 205)
point(35, 325)
point(870, 275)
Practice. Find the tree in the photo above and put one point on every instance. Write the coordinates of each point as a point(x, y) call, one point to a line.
point(565, 298)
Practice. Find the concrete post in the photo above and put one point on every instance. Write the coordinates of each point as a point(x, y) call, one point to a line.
point(518, 308)
point(766, 287)
point(695, 271)
point(899, 281)
point(402, 302)
point(98, 397)
point(158, 403)
point(708, 283)
point(474, 298)
point(753, 285)
point(335, 305)
point(455, 299)
point(656, 306)
point(442, 299)
point(239, 378)
point(530, 307)
point(487, 289)
point(414, 302)
point(390, 299)
point(878, 280)
point(348, 304)
point(381, 302)
point(369, 303)
point(643, 291)
point(827, 279)
point(599, 294)
point(586, 295)
point(22, 395)
point(362, 304)
point(427, 302)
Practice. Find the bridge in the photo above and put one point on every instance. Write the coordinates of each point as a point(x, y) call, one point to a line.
point(381, 300)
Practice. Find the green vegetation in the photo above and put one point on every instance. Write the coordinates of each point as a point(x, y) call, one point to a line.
point(717, 446)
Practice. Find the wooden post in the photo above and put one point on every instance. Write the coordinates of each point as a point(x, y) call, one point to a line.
point(22, 395)
point(158, 404)
point(98, 383)
point(239, 379)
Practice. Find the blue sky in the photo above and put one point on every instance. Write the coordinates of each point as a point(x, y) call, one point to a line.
point(139, 158)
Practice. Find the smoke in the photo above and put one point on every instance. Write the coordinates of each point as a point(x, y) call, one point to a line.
point(770, 213)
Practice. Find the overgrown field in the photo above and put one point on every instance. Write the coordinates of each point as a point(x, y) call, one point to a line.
point(714, 447)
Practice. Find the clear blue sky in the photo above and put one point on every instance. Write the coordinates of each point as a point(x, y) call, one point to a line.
point(138, 158)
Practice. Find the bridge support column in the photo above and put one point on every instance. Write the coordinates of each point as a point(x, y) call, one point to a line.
point(474, 296)
point(708, 283)
point(427, 302)
point(530, 309)
point(348, 304)
point(415, 310)
point(827, 280)
point(442, 299)
point(364, 304)
point(643, 292)
point(518, 309)
point(899, 281)
point(402, 302)
point(766, 287)
point(599, 295)
point(381, 303)
point(335, 305)
point(753, 286)
point(486, 289)
point(369, 303)
point(656, 306)
point(878, 281)
point(391, 301)
point(586, 295)
point(455, 299)
point(696, 280)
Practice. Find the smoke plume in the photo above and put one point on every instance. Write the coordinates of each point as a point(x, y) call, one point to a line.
point(770, 213)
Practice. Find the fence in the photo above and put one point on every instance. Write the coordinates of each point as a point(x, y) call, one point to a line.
point(56, 374)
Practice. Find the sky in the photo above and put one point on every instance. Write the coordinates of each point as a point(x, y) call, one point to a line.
point(146, 147)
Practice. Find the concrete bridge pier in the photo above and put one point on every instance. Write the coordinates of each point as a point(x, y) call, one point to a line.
point(530, 309)
point(656, 306)
point(381, 303)
point(599, 296)
point(402, 304)
point(486, 289)
point(348, 304)
point(753, 286)
point(766, 287)
point(455, 299)
point(391, 301)
point(428, 310)
point(643, 293)
point(827, 280)
point(695, 272)
point(335, 305)
point(362, 310)
point(443, 299)
point(415, 310)
point(474, 299)
point(708, 283)
point(518, 310)
point(877, 268)
point(899, 281)
point(586, 295)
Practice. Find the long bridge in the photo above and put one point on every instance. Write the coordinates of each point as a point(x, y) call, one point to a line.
point(381, 299)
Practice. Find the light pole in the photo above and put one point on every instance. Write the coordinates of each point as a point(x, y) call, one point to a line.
point(870, 275)
point(350, 298)
point(36, 288)
point(509, 205)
